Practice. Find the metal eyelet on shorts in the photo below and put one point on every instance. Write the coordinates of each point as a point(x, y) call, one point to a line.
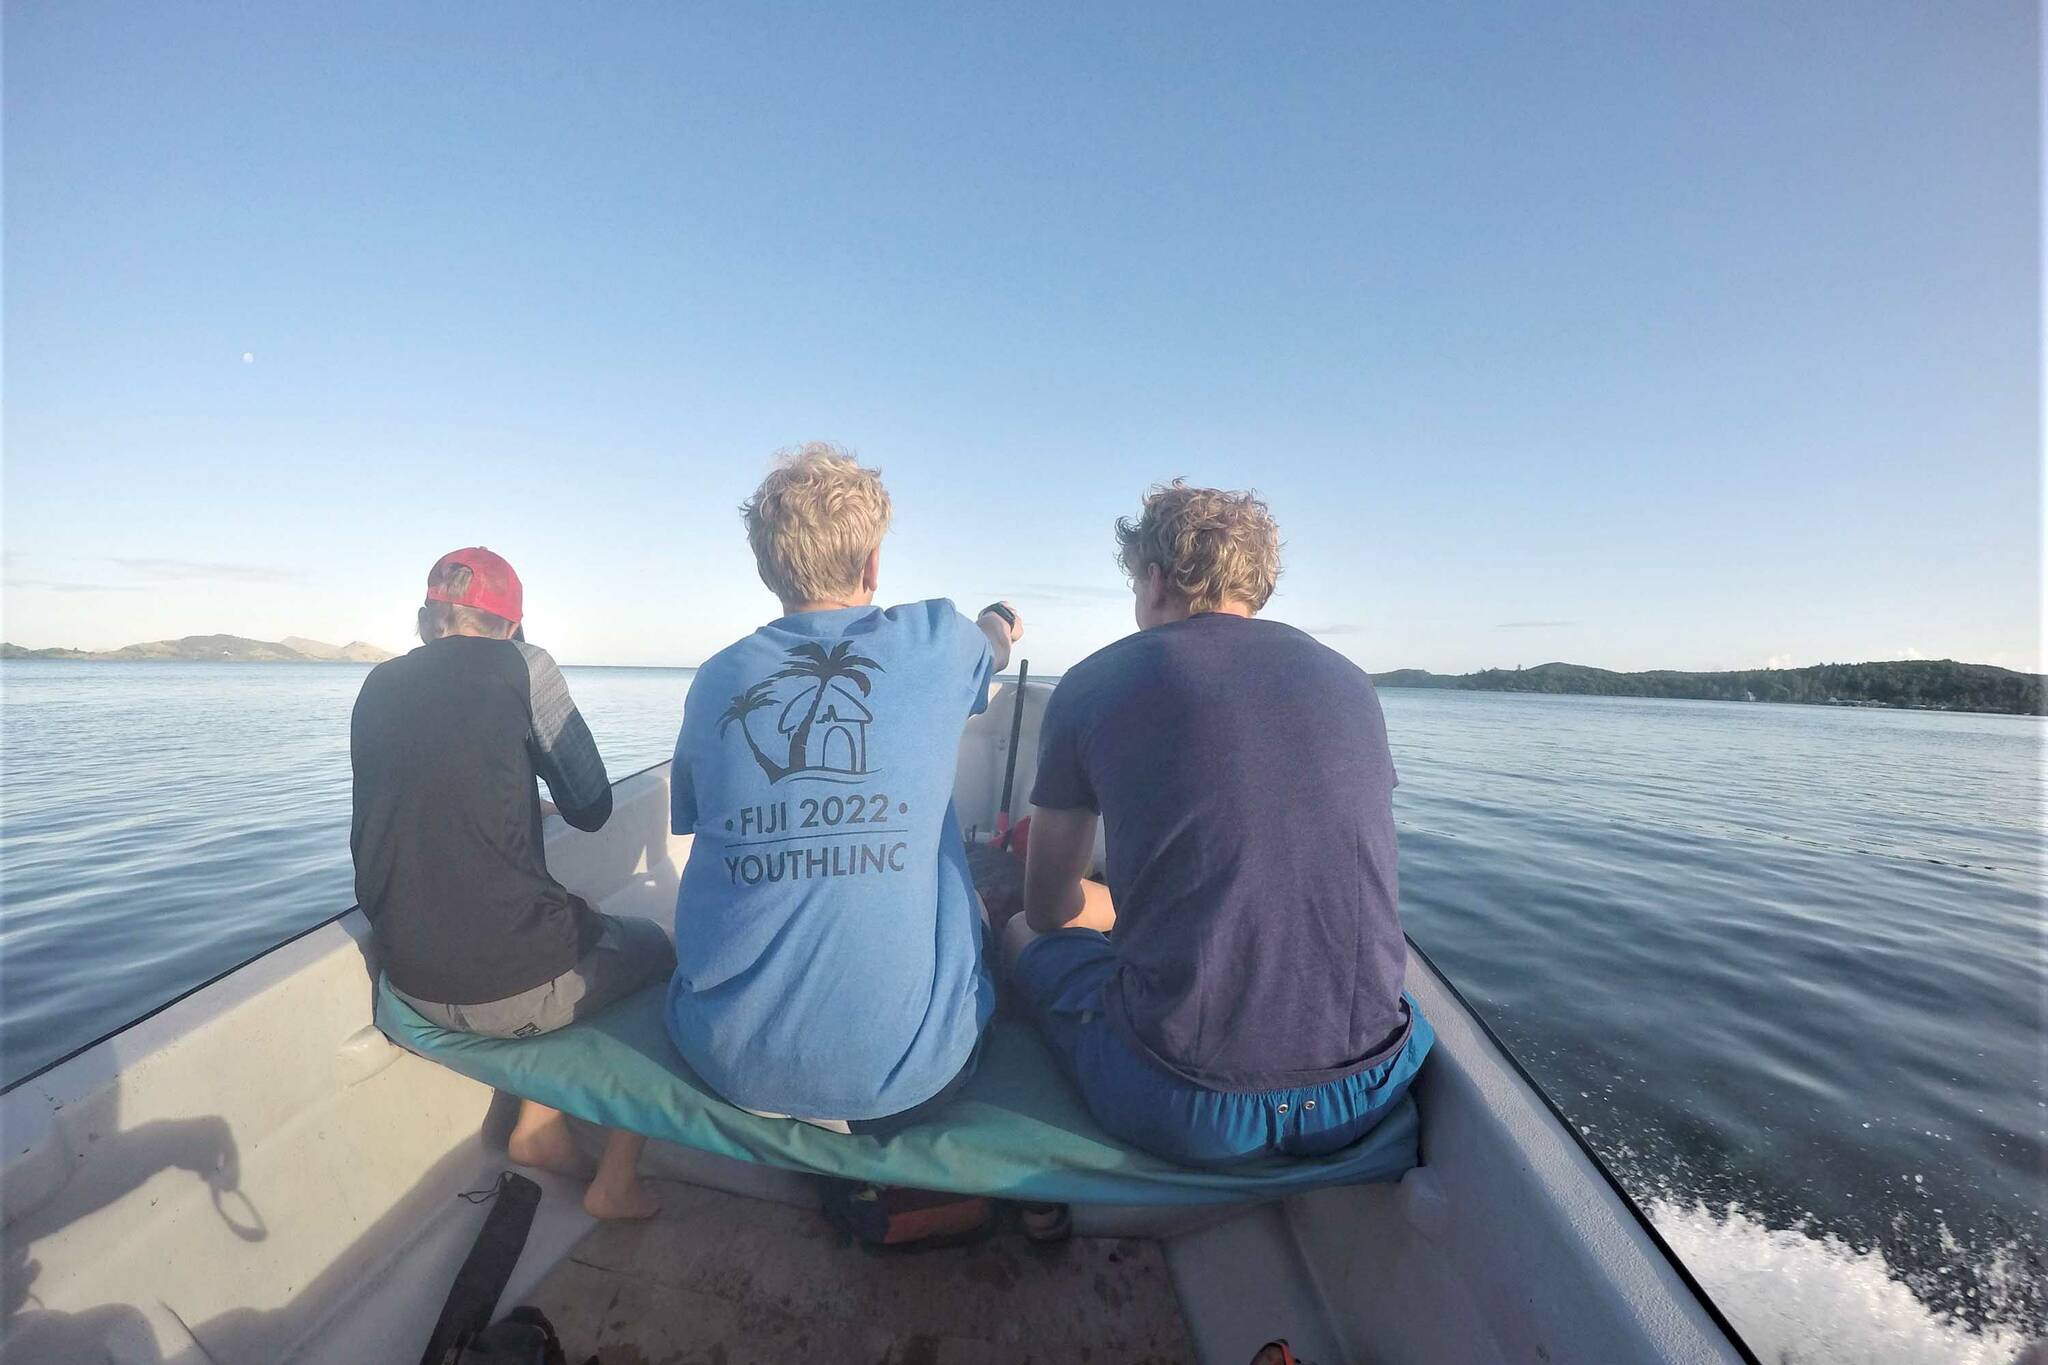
point(1308, 1104)
point(1283, 1106)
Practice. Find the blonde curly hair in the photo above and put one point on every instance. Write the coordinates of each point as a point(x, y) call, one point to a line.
point(813, 522)
point(1213, 546)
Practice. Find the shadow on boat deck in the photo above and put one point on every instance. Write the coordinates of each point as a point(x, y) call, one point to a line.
point(123, 1162)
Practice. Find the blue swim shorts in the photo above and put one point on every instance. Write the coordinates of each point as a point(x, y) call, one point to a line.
point(1058, 981)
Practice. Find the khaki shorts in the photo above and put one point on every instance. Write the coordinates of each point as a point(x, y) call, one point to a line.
point(629, 955)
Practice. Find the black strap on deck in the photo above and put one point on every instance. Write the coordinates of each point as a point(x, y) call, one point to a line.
point(474, 1295)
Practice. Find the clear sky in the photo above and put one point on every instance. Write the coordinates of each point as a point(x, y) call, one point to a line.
point(1691, 336)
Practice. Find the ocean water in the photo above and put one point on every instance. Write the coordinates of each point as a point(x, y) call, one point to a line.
point(1781, 965)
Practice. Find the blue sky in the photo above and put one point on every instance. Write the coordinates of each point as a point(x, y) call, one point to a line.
point(1639, 336)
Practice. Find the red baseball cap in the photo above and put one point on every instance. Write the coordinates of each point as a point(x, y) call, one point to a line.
point(493, 587)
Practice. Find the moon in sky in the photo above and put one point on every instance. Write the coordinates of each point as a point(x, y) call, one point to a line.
point(248, 357)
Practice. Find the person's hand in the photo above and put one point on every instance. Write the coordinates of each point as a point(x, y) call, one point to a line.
point(1007, 622)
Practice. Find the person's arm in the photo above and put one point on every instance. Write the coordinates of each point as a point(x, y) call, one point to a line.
point(1063, 812)
point(1057, 894)
point(1002, 625)
point(564, 754)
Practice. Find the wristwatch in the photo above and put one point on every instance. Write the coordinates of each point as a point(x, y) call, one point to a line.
point(1001, 609)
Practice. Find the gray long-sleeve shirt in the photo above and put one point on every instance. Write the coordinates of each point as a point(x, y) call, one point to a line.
point(446, 743)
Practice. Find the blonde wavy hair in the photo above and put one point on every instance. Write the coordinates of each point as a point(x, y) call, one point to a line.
point(813, 522)
point(1212, 546)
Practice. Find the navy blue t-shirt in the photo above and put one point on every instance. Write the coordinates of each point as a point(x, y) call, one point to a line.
point(1242, 773)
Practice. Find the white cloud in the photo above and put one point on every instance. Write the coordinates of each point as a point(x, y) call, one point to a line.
point(50, 586)
point(173, 570)
point(1069, 592)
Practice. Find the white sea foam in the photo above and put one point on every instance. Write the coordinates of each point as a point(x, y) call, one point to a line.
point(1801, 1299)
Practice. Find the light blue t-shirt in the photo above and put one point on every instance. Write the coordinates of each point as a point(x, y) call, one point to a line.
point(828, 948)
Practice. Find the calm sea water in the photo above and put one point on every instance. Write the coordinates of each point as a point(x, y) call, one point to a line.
point(1782, 965)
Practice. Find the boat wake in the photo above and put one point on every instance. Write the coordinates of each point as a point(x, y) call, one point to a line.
point(1799, 1298)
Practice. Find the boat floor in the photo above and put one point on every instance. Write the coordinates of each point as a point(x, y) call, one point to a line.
point(721, 1279)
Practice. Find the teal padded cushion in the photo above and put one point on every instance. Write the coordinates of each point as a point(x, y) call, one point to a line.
point(1018, 1129)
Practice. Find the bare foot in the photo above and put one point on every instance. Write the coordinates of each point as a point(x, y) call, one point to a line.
point(628, 1202)
point(548, 1144)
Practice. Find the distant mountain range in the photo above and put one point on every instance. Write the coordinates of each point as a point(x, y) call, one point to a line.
point(292, 649)
point(1927, 684)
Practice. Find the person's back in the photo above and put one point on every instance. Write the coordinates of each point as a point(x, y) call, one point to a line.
point(830, 963)
point(1236, 990)
point(447, 823)
point(1243, 772)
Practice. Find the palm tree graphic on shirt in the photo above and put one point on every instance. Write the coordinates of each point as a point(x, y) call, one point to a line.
point(759, 697)
point(823, 714)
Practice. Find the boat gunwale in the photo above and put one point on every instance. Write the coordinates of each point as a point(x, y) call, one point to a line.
point(1649, 1229)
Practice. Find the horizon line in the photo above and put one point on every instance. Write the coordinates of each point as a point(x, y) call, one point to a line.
point(1491, 668)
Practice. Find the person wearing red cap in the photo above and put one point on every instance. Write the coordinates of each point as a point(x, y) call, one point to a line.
point(471, 930)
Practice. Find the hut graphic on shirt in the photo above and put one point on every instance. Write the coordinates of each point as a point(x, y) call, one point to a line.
point(838, 737)
point(824, 720)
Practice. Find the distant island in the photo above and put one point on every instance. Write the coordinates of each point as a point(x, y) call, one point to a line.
point(1925, 684)
point(292, 649)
